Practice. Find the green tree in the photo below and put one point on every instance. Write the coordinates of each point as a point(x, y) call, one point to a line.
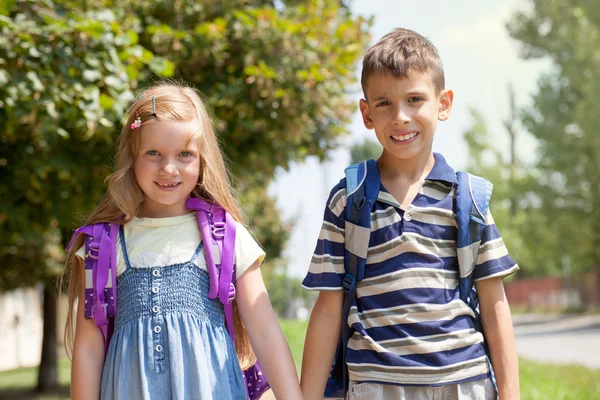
point(564, 119)
point(514, 202)
point(64, 83)
point(274, 74)
point(275, 79)
point(366, 150)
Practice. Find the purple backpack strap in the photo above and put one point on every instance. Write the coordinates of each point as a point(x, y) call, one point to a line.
point(218, 232)
point(101, 275)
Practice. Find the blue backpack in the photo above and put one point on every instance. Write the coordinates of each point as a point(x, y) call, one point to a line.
point(362, 187)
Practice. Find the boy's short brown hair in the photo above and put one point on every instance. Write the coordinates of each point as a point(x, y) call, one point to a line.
point(399, 52)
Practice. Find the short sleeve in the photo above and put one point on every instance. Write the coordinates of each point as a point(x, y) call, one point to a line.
point(326, 270)
point(81, 253)
point(493, 259)
point(247, 251)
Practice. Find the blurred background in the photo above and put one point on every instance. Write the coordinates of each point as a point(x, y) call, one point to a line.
point(280, 79)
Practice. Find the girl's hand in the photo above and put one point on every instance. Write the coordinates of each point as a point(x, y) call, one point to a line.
point(266, 336)
point(88, 349)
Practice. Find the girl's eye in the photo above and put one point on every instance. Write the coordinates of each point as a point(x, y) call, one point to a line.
point(152, 152)
point(186, 154)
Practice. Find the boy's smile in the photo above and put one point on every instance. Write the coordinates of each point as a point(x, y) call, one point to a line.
point(404, 112)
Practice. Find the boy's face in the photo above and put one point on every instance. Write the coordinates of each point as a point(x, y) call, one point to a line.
point(404, 112)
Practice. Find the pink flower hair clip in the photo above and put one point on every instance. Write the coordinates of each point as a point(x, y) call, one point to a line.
point(137, 123)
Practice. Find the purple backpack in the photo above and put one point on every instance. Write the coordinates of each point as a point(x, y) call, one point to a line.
point(217, 227)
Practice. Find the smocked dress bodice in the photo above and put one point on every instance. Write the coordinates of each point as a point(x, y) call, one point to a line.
point(170, 340)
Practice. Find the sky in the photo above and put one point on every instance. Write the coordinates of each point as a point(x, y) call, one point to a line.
point(480, 61)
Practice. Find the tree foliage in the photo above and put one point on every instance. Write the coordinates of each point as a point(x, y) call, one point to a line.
point(366, 150)
point(274, 75)
point(64, 83)
point(564, 119)
point(514, 202)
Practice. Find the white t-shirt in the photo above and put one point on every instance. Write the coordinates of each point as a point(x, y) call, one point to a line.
point(153, 242)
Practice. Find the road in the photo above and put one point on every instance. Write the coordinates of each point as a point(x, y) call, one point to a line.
point(559, 339)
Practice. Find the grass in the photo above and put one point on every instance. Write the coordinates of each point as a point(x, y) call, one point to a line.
point(295, 331)
point(564, 382)
point(20, 384)
point(538, 381)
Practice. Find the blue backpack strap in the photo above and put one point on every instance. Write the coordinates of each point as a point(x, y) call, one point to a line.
point(473, 195)
point(362, 189)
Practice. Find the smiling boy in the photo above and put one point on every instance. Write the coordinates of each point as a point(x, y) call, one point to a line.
point(413, 336)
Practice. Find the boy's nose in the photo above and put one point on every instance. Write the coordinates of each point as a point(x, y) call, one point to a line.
point(401, 116)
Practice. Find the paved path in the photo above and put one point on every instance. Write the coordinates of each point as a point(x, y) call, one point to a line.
point(559, 339)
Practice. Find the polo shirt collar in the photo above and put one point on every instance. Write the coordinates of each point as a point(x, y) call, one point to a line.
point(440, 172)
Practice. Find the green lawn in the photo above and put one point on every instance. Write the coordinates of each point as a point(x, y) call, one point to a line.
point(544, 381)
point(295, 331)
point(18, 384)
point(538, 381)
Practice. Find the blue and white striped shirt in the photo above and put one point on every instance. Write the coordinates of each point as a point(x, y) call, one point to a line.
point(411, 328)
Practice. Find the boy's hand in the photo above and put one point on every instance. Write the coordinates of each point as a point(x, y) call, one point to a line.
point(499, 335)
point(322, 337)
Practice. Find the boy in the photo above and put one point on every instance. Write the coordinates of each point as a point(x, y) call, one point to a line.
point(413, 337)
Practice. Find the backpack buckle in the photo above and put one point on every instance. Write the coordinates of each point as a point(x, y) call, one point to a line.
point(231, 294)
point(98, 318)
point(349, 283)
point(94, 248)
point(218, 230)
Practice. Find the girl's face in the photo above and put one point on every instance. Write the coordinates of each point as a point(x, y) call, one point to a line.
point(167, 167)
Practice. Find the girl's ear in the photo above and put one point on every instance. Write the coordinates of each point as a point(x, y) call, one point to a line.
point(446, 98)
point(366, 113)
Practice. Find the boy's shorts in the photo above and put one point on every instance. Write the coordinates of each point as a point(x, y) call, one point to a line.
point(475, 390)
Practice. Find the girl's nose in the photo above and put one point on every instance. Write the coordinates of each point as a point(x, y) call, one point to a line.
point(169, 167)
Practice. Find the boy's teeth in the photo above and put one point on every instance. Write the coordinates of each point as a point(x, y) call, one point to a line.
point(405, 137)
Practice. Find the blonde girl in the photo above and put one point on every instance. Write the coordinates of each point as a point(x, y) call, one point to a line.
point(170, 340)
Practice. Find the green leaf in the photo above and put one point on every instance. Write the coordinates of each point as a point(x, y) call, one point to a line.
point(62, 133)
point(106, 102)
point(4, 77)
point(37, 84)
point(6, 6)
point(91, 75)
point(162, 66)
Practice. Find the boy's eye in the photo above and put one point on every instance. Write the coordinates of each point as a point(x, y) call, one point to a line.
point(415, 99)
point(382, 103)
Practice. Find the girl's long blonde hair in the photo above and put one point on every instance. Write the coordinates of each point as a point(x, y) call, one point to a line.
point(171, 102)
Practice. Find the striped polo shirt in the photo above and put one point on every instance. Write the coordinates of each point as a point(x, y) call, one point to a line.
point(411, 328)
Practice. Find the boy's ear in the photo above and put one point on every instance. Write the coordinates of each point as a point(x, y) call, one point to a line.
point(366, 113)
point(446, 99)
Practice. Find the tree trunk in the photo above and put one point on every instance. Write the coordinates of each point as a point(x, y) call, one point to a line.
point(48, 373)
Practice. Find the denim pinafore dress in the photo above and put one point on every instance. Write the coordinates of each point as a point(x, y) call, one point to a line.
point(170, 340)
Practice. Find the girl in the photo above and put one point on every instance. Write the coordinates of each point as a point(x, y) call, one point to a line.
point(170, 341)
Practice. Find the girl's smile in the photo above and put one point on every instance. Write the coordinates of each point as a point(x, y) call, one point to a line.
point(167, 167)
